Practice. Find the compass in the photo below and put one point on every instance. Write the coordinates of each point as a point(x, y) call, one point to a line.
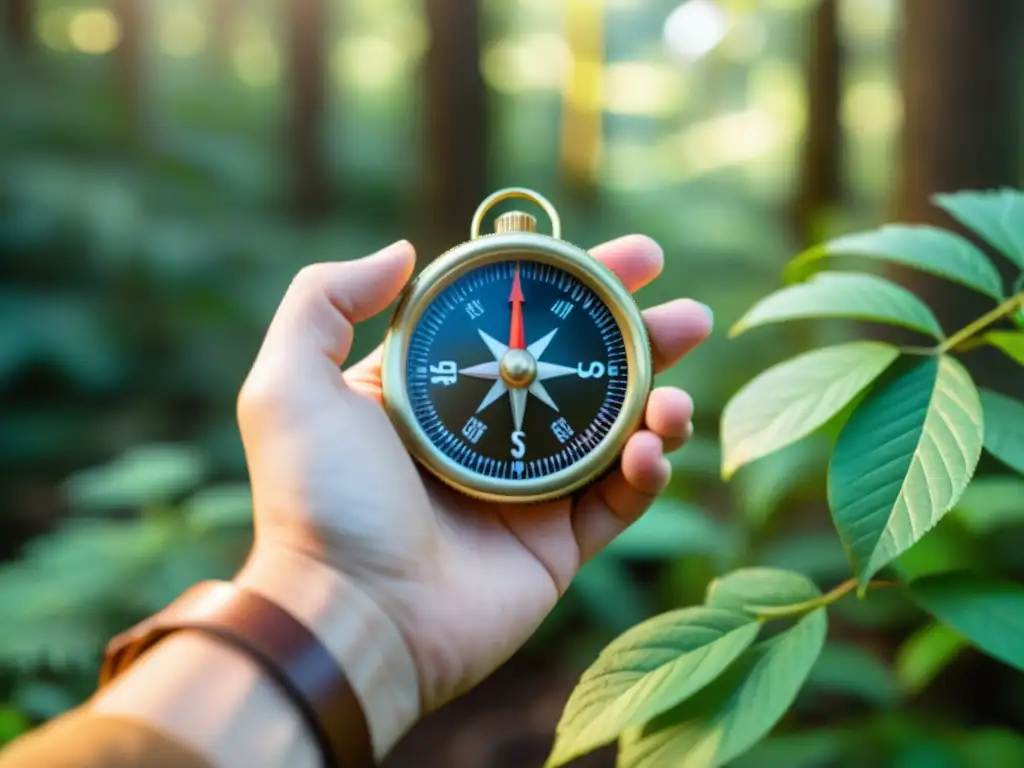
point(516, 365)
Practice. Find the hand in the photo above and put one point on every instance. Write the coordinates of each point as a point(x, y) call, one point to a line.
point(465, 582)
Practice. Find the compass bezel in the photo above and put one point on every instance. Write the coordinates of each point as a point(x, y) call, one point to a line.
point(480, 252)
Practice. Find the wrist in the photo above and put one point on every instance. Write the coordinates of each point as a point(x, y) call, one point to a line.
point(363, 639)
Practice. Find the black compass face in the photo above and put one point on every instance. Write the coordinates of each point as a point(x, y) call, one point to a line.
point(517, 370)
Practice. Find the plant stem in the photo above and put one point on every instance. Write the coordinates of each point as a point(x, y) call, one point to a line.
point(981, 323)
point(768, 612)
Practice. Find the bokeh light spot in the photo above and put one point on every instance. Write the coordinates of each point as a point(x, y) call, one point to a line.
point(636, 88)
point(533, 63)
point(94, 30)
point(871, 108)
point(182, 33)
point(367, 62)
point(256, 59)
point(694, 28)
point(52, 27)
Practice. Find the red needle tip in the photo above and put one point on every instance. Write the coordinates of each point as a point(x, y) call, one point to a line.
point(517, 288)
point(516, 339)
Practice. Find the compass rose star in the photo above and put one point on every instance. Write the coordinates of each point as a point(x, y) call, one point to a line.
point(491, 371)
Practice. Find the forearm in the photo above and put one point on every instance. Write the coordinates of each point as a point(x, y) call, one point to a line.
point(217, 701)
point(212, 698)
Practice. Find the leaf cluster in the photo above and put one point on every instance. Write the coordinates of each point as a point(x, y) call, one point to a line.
point(905, 427)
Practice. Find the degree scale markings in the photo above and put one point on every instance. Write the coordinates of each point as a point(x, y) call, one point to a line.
point(582, 361)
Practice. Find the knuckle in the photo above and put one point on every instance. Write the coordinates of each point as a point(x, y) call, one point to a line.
point(257, 396)
point(309, 278)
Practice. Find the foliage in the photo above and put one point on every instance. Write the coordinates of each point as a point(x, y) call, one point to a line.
point(701, 686)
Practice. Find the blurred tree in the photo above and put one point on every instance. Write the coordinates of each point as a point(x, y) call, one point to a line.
point(961, 124)
point(819, 186)
point(961, 129)
point(17, 22)
point(306, 24)
point(582, 108)
point(223, 20)
point(128, 68)
point(455, 121)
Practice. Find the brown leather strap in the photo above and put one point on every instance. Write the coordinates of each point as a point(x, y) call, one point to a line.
point(283, 646)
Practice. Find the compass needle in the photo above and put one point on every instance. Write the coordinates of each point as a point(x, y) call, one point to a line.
point(513, 317)
point(553, 370)
point(518, 399)
point(490, 370)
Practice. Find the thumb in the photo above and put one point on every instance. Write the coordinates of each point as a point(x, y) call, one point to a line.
point(316, 316)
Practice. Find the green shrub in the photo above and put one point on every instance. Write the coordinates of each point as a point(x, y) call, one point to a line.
point(700, 686)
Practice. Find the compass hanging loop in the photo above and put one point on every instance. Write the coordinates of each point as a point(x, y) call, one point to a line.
point(516, 192)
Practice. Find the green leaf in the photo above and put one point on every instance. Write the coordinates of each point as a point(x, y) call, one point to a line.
point(997, 215)
point(143, 475)
point(807, 749)
point(670, 529)
point(902, 461)
point(947, 547)
point(732, 714)
point(986, 611)
point(646, 671)
point(925, 248)
point(843, 294)
point(990, 503)
point(991, 746)
point(748, 589)
point(761, 487)
point(1004, 428)
point(923, 656)
point(853, 671)
point(220, 506)
point(792, 399)
point(1010, 342)
point(12, 724)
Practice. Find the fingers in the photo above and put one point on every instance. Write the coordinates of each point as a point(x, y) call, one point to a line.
point(669, 411)
point(635, 259)
point(323, 302)
point(608, 507)
point(364, 376)
point(675, 328)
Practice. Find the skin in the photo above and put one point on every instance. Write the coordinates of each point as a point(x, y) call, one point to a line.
point(466, 582)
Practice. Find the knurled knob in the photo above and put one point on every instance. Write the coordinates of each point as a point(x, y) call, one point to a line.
point(515, 221)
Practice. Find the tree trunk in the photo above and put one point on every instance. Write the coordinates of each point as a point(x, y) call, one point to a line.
point(223, 23)
point(128, 66)
point(455, 121)
point(18, 16)
point(961, 131)
point(819, 186)
point(306, 24)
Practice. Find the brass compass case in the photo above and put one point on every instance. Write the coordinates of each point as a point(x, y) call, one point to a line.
point(503, 246)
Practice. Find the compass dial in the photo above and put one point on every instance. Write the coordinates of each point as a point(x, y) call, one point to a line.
point(516, 370)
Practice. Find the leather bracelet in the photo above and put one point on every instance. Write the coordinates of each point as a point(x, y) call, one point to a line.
point(287, 651)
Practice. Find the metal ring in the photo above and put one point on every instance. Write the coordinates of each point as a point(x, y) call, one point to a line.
point(509, 192)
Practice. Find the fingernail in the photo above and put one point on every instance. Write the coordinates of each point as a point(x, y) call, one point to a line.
point(710, 312)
